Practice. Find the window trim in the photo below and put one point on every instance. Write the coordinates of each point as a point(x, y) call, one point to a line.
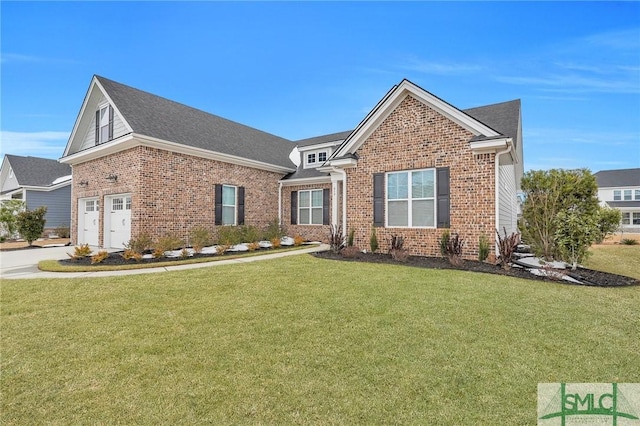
point(626, 192)
point(316, 158)
point(617, 195)
point(235, 205)
point(410, 199)
point(310, 207)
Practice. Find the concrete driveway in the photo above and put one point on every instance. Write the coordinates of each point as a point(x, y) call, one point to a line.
point(24, 263)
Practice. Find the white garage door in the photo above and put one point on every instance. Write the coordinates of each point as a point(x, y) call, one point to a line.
point(88, 219)
point(118, 225)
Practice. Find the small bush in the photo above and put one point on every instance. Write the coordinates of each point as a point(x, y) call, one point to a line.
point(352, 234)
point(200, 237)
point(453, 248)
point(164, 244)
point(80, 251)
point(444, 242)
point(483, 248)
point(62, 231)
point(184, 253)
point(130, 254)
point(253, 246)
point(99, 257)
point(229, 235)
point(250, 234)
point(30, 223)
point(373, 240)
point(336, 238)
point(629, 242)
point(275, 242)
point(350, 252)
point(298, 240)
point(140, 243)
point(396, 248)
point(273, 230)
point(222, 248)
point(507, 246)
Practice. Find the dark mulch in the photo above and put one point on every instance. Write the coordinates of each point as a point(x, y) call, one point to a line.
point(587, 276)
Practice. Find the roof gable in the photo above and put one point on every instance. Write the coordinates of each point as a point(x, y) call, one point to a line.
point(36, 171)
point(161, 119)
point(618, 178)
point(394, 98)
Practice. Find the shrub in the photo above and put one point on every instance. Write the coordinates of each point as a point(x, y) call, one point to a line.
point(222, 248)
point(350, 252)
point(249, 233)
point(273, 230)
point(629, 242)
point(373, 240)
point(184, 253)
point(575, 232)
point(30, 223)
point(229, 235)
point(3, 238)
point(453, 248)
point(275, 242)
point(608, 222)
point(164, 244)
point(140, 243)
point(396, 248)
point(9, 210)
point(130, 254)
point(352, 233)
point(444, 242)
point(483, 248)
point(253, 246)
point(507, 246)
point(62, 231)
point(99, 257)
point(200, 237)
point(298, 240)
point(336, 238)
point(80, 251)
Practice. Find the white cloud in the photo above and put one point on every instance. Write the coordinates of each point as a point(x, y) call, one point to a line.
point(48, 144)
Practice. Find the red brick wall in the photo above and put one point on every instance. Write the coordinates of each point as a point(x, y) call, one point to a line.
point(308, 232)
point(172, 193)
point(415, 136)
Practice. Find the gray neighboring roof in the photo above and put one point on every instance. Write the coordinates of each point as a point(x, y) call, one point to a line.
point(618, 178)
point(161, 118)
point(36, 171)
point(502, 117)
point(333, 137)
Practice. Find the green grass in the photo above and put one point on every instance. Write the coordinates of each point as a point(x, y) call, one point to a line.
point(301, 340)
point(617, 259)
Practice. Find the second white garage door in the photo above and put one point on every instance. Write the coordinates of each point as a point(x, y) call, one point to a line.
point(118, 221)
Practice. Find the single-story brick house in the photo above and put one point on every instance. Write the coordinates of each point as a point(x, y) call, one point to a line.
point(414, 166)
point(38, 182)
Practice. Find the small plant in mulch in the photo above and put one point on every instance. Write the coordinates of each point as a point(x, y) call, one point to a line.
point(99, 257)
point(350, 238)
point(200, 237)
point(336, 238)
point(350, 252)
point(297, 240)
point(275, 242)
point(167, 243)
point(80, 251)
point(483, 248)
point(507, 246)
point(451, 246)
point(222, 248)
point(130, 254)
point(253, 246)
point(140, 243)
point(629, 242)
point(397, 250)
point(373, 240)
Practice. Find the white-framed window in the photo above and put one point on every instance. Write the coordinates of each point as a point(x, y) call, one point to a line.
point(127, 203)
point(410, 199)
point(103, 127)
point(627, 195)
point(637, 195)
point(315, 158)
point(310, 207)
point(636, 218)
point(10, 172)
point(617, 195)
point(89, 206)
point(229, 205)
point(117, 204)
point(626, 218)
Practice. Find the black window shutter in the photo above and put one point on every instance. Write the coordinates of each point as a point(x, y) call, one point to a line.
point(443, 197)
point(110, 122)
point(97, 127)
point(241, 205)
point(218, 204)
point(378, 199)
point(325, 206)
point(294, 207)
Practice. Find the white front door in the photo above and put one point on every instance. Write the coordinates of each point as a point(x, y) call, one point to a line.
point(88, 219)
point(118, 225)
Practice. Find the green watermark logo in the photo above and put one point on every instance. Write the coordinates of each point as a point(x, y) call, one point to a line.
point(569, 404)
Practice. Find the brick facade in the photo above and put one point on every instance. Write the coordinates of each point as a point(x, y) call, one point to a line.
point(308, 232)
point(172, 193)
point(415, 136)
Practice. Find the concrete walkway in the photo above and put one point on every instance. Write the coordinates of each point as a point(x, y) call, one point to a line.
point(24, 263)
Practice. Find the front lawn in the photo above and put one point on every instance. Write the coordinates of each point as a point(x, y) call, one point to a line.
point(302, 340)
point(616, 259)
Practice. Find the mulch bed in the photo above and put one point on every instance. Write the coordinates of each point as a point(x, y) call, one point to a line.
point(587, 276)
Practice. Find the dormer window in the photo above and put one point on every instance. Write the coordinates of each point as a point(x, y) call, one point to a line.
point(316, 158)
point(104, 124)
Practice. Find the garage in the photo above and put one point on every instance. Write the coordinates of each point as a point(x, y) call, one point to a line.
point(117, 231)
point(88, 220)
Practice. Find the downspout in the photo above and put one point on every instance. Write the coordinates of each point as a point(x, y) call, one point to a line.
point(280, 203)
point(497, 186)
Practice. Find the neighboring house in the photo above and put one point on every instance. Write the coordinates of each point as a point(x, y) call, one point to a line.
point(620, 189)
point(414, 166)
point(38, 182)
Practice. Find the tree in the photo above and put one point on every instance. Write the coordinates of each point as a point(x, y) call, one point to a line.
point(8, 211)
point(549, 193)
point(575, 232)
point(31, 223)
point(608, 222)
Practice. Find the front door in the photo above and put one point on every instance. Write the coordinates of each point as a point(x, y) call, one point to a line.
point(119, 223)
point(88, 219)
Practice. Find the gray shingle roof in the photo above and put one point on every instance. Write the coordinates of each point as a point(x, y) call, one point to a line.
point(618, 178)
point(36, 171)
point(161, 118)
point(502, 117)
point(339, 136)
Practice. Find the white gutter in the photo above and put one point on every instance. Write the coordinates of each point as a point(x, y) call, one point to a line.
point(280, 203)
point(497, 186)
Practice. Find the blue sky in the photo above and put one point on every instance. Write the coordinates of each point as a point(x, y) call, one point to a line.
point(305, 69)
